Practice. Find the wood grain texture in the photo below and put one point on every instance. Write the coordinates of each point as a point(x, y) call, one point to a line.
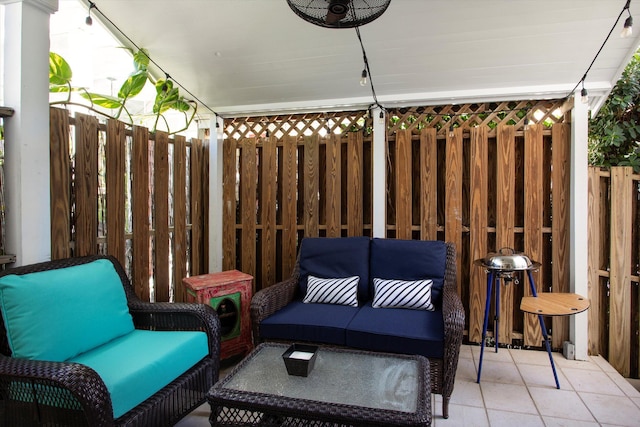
point(115, 146)
point(620, 270)
point(60, 176)
point(453, 202)
point(429, 184)
point(355, 188)
point(140, 212)
point(161, 211)
point(289, 203)
point(560, 194)
point(268, 211)
point(86, 185)
point(180, 216)
point(248, 206)
point(311, 185)
point(596, 347)
point(505, 219)
point(478, 230)
point(196, 198)
point(229, 183)
point(334, 186)
point(533, 213)
point(403, 184)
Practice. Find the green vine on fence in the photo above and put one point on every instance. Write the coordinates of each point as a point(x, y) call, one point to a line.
point(167, 96)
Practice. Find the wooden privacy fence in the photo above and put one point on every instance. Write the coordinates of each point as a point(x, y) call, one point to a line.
point(614, 267)
point(126, 192)
point(283, 181)
point(483, 176)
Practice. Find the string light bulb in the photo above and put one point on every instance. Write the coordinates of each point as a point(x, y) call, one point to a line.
point(627, 29)
point(381, 117)
point(451, 132)
point(526, 123)
point(89, 20)
point(363, 78)
point(584, 95)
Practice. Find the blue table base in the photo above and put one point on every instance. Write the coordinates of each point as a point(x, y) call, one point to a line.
point(493, 279)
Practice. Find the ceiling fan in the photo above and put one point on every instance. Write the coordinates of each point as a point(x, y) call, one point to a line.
point(339, 13)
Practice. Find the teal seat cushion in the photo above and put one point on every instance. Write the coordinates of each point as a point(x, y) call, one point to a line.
point(137, 365)
point(57, 314)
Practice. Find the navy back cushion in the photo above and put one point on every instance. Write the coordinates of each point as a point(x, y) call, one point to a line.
point(333, 257)
point(410, 260)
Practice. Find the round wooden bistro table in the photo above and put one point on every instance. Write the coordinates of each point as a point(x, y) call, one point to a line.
point(553, 304)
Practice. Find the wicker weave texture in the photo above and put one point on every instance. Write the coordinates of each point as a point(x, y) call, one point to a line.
point(37, 393)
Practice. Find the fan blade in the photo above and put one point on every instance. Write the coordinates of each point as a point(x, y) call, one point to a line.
point(336, 11)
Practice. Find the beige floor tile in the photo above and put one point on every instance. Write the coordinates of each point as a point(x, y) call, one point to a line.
point(602, 363)
point(626, 387)
point(592, 382)
point(465, 352)
point(531, 357)
point(500, 372)
point(199, 417)
point(502, 355)
point(561, 362)
point(507, 397)
point(560, 404)
point(636, 400)
point(542, 375)
point(563, 422)
point(462, 416)
point(466, 371)
point(467, 393)
point(509, 419)
point(612, 409)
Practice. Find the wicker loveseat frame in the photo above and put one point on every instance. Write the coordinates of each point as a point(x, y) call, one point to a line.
point(71, 394)
point(269, 300)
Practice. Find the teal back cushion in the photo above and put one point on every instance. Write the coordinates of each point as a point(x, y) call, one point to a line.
point(57, 314)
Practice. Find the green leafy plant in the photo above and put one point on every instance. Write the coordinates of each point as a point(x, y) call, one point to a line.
point(167, 96)
point(614, 134)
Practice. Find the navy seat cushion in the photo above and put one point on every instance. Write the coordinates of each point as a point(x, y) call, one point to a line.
point(410, 260)
point(397, 330)
point(335, 257)
point(297, 321)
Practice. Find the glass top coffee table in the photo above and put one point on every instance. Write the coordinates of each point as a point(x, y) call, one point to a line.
point(345, 387)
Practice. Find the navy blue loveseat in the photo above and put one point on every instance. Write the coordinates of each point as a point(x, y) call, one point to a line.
point(374, 294)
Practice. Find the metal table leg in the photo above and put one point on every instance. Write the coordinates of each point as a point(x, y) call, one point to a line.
point(544, 330)
point(487, 304)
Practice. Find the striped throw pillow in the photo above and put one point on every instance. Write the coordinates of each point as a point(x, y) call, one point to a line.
point(343, 291)
point(414, 294)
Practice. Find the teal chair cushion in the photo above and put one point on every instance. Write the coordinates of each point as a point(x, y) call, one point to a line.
point(57, 314)
point(137, 365)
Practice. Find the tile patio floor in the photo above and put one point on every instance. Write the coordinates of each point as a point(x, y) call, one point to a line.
point(517, 388)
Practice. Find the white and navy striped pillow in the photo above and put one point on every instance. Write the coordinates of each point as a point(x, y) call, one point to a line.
point(414, 294)
point(343, 291)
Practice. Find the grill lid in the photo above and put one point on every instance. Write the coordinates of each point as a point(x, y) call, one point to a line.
point(507, 259)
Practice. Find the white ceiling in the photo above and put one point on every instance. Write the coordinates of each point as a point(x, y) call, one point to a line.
point(248, 56)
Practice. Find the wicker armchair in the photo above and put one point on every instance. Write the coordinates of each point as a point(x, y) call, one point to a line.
point(71, 394)
point(443, 371)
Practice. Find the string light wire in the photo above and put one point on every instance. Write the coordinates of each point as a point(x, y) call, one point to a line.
point(93, 6)
point(584, 77)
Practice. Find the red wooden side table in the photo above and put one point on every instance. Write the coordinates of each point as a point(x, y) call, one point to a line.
point(229, 293)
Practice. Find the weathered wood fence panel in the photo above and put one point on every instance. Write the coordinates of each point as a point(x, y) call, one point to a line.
point(123, 191)
point(294, 181)
point(614, 267)
point(477, 175)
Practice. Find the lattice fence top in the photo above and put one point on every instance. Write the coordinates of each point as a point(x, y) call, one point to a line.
point(297, 125)
point(443, 118)
point(466, 116)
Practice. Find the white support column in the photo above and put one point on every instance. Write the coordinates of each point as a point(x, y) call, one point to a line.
point(26, 86)
point(379, 173)
point(215, 195)
point(579, 255)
